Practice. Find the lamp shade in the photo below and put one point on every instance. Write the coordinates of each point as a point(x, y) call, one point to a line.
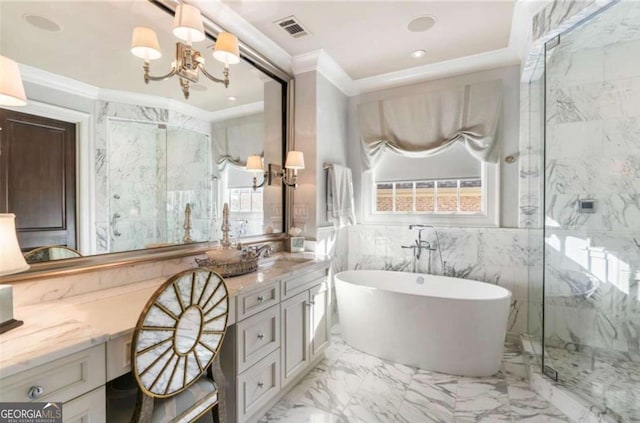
point(295, 160)
point(11, 88)
point(144, 43)
point(227, 49)
point(254, 163)
point(11, 258)
point(187, 24)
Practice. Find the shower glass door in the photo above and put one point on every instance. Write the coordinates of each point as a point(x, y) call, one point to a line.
point(592, 211)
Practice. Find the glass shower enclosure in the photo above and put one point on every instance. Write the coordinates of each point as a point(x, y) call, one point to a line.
point(155, 171)
point(591, 296)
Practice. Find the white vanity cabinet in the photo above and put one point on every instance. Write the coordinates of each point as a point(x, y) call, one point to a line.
point(77, 380)
point(304, 325)
point(280, 333)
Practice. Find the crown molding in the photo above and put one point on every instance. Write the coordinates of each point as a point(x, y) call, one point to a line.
point(71, 86)
point(238, 111)
point(324, 64)
point(233, 22)
point(478, 62)
point(58, 82)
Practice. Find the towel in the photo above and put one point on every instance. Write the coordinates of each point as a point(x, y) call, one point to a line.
point(340, 204)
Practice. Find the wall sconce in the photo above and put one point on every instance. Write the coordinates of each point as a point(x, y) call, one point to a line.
point(189, 62)
point(294, 162)
point(11, 88)
point(254, 164)
point(11, 261)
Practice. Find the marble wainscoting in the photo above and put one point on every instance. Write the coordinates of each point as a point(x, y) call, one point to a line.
point(498, 256)
point(349, 386)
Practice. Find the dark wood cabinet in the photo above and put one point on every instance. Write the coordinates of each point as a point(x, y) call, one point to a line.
point(38, 178)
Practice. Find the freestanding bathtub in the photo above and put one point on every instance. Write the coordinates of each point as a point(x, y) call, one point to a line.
point(437, 323)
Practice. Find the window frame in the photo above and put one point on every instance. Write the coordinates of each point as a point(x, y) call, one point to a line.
point(488, 217)
point(228, 192)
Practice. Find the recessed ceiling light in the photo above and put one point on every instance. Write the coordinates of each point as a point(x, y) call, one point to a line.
point(231, 98)
point(421, 24)
point(42, 22)
point(417, 54)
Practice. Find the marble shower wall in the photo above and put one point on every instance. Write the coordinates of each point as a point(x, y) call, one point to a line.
point(553, 20)
point(498, 256)
point(133, 174)
point(593, 152)
point(107, 113)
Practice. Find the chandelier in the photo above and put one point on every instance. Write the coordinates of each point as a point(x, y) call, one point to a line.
point(189, 63)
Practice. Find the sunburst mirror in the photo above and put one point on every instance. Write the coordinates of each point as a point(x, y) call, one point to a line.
point(180, 332)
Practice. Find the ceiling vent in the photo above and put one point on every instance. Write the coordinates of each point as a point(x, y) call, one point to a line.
point(292, 26)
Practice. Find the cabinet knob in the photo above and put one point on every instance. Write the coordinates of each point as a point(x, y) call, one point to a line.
point(260, 335)
point(260, 298)
point(35, 392)
point(260, 385)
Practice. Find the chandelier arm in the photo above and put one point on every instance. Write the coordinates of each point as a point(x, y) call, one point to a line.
point(148, 77)
point(285, 180)
point(224, 81)
point(255, 181)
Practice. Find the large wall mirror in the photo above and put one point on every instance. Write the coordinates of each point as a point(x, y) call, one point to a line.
point(100, 162)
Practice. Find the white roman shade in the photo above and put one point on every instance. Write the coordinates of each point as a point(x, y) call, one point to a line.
point(237, 139)
point(426, 124)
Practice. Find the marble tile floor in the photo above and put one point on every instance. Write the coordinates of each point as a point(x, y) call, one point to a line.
point(610, 381)
point(349, 386)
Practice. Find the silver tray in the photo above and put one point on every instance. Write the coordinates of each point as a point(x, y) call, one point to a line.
point(227, 270)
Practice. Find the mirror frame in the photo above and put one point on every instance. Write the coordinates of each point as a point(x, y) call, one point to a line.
point(72, 266)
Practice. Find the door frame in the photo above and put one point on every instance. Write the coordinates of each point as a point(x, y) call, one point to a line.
point(85, 165)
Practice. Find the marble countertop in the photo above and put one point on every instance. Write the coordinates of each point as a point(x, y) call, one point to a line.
point(57, 328)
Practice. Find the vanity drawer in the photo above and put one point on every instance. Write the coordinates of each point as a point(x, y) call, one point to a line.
point(300, 283)
point(258, 336)
point(258, 385)
point(119, 356)
point(89, 408)
point(252, 303)
point(61, 380)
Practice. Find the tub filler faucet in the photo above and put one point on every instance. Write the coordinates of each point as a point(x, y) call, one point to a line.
point(420, 244)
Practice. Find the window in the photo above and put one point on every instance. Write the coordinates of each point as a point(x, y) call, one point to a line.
point(245, 200)
point(449, 189)
point(454, 196)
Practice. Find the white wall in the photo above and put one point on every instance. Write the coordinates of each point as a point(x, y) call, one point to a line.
point(305, 139)
point(332, 138)
point(321, 134)
point(508, 130)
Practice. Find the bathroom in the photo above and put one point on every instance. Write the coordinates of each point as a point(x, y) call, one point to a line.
point(509, 161)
